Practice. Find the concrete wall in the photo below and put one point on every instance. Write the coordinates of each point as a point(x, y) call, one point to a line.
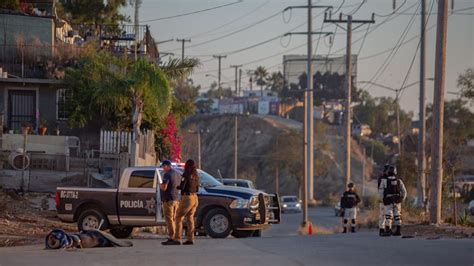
point(36, 143)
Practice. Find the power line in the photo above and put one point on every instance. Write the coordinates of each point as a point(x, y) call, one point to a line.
point(251, 25)
point(392, 54)
point(402, 88)
point(386, 20)
point(393, 12)
point(363, 40)
point(263, 42)
point(234, 32)
point(193, 12)
point(230, 22)
point(358, 8)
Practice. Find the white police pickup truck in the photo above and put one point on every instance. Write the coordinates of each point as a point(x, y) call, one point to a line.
point(222, 210)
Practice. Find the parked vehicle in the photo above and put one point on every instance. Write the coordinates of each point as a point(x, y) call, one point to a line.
point(238, 183)
point(290, 204)
point(222, 210)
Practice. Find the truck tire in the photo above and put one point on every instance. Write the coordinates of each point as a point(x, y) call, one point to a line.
point(217, 223)
point(90, 219)
point(122, 232)
point(242, 233)
point(257, 233)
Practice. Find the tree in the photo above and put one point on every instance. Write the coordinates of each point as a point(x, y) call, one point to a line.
point(92, 11)
point(276, 81)
point(185, 93)
point(261, 75)
point(168, 141)
point(10, 4)
point(466, 84)
point(118, 90)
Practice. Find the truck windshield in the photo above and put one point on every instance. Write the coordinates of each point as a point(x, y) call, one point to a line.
point(205, 179)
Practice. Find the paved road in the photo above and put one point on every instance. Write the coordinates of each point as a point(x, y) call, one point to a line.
point(278, 246)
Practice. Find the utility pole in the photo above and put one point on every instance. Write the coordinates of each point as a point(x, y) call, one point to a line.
point(240, 82)
point(308, 125)
point(277, 170)
point(182, 46)
point(363, 173)
point(348, 82)
point(438, 114)
point(235, 146)
point(219, 58)
point(421, 184)
point(236, 80)
point(199, 148)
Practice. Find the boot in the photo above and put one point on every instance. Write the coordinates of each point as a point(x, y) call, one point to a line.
point(381, 232)
point(388, 231)
point(353, 229)
point(398, 231)
point(345, 230)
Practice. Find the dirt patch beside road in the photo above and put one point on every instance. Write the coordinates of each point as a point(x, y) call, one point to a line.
point(413, 228)
point(27, 219)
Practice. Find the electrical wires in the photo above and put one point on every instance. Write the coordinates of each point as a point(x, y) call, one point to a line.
point(193, 12)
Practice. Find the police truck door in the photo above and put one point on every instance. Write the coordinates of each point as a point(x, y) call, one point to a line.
point(137, 202)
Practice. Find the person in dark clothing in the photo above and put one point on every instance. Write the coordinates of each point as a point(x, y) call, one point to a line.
point(349, 201)
point(381, 205)
point(189, 202)
point(170, 199)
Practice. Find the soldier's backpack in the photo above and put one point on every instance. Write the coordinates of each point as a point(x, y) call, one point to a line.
point(392, 193)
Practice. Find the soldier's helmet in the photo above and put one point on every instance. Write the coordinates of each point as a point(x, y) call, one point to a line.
point(385, 169)
point(392, 170)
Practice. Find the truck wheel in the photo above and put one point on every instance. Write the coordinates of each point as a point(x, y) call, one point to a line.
point(122, 232)
point(217, 223)
point(257, 233)
point(90, 219)
point(242, 233)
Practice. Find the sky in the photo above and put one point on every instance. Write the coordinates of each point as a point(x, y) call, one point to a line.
point(248, 18)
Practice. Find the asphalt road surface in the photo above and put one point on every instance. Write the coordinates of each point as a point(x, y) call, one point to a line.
point(279, 245)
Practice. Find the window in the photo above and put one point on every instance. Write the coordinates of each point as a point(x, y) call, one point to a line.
point(142, 179)
point(62, 98)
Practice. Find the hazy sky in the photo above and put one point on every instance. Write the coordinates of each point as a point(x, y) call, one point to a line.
point(206, 26)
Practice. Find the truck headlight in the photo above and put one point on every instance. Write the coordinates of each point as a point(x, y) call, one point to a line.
point(253, 204)
point(239, 204)
point(298, 205)
point(284, 205)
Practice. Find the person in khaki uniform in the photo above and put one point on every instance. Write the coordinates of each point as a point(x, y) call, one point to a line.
point(189, 202)
point(170, 199)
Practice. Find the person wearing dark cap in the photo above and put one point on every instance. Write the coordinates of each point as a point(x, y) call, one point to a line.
point(349, 201)
point(170, 199)
point(189, 202)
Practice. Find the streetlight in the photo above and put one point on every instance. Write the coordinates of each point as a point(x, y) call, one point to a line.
point(214, 76)
point(198, 133)
point(397, 97)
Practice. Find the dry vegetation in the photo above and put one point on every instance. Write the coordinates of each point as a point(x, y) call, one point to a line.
point(26, 219)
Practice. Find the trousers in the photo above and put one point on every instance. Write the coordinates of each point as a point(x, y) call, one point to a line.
point(169, 209)
point(187, 209)
point(381, 216)
point(393, 213)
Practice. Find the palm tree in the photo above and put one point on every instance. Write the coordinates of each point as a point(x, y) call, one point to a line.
point(179, 69)
point(261, 75)
point(118, 88)
point(276, 81)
